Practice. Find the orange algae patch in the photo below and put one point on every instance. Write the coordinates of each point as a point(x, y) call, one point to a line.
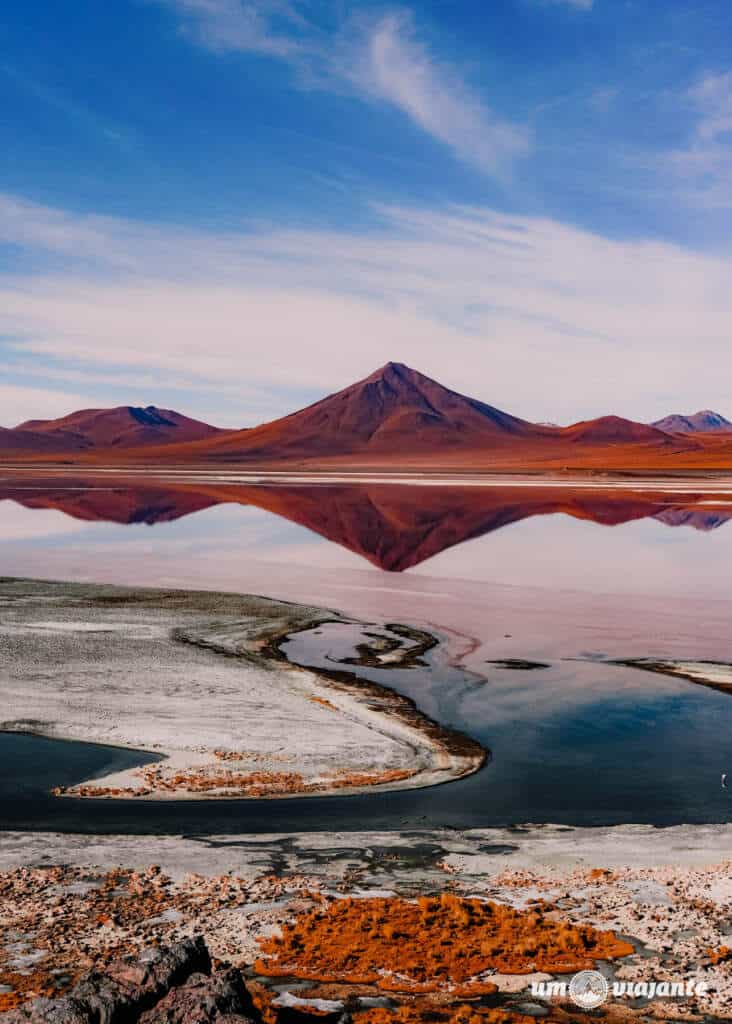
point(217, 780)
point(436, 944)
point(23, 987)
point(323, 703)
point(420, 1013)
point(256, 783)
point(721, 955)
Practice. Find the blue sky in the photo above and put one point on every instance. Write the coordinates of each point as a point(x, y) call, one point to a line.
point(232, 208)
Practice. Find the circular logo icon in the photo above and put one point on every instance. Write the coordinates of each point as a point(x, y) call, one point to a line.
point(588, 989)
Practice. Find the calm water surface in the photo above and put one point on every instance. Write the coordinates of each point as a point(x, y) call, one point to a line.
point(568, 579)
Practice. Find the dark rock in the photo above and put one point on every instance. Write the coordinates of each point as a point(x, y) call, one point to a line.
point(203, 998)
point(123, 992)
point(48, 1011)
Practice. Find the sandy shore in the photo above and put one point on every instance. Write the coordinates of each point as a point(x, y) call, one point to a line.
point(199, 679)
point(709, 488)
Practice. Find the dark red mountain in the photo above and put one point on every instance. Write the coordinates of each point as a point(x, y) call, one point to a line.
point(394, 410)
point(126, 426)
point(25, 441)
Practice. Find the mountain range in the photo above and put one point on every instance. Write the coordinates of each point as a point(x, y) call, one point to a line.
point(396, 418)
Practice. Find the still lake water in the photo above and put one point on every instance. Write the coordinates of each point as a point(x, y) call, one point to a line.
point(571, 579)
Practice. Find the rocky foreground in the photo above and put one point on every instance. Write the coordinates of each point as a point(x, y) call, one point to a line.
point(389, 928)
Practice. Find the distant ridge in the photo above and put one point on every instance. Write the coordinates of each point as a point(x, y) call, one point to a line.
point(705, 421)
point(126, 426)
point(615, 430)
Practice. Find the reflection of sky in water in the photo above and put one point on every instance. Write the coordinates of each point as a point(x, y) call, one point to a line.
point(580, 741)
point(644, 556)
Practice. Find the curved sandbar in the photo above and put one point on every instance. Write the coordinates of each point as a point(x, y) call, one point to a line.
point(200, 679)
point(717, 675)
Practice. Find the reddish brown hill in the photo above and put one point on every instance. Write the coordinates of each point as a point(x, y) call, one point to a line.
point(23, 441)
point(615, 430)
point(126, 426)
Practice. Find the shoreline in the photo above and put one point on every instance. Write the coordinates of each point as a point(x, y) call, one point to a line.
point(718, 481)
point(422, 753)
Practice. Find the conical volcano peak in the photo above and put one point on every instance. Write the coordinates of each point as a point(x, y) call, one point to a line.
point(392, 372)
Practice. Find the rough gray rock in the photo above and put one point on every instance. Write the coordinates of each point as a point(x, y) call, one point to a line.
point(219, 997)
point(123, 992)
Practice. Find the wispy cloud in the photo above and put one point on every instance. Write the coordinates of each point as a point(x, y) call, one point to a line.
point(73, 111)
point(577, 4)
point(469, 296)
point(267, 26)
point(393, 65)
point(705, 165)
point(379, 58)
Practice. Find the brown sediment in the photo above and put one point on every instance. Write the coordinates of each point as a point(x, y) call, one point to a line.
point(371, 655)
point(463, 754)
point(424, 1011)
point(433, 944)
point(518, 664)
point(102, 792)
point(456, 754)
point(237, 785)
point(324, 703)
point(677, 670)
point(264, 784)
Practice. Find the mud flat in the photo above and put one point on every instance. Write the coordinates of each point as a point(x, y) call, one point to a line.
point(495, 909)
point(715, 674)
point(199, 679)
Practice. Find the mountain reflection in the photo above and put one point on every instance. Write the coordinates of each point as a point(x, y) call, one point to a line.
point(393, 526)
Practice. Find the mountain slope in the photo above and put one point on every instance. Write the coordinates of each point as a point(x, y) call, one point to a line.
point(34, 442)
point(396, 409)
point(702, 422)
point(126, 426)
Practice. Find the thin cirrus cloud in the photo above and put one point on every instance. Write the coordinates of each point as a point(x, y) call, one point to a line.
point(392, 65)
point(265, 27)
point(579, 5)
point(467, 295)
point(704, 167)
point(380, 59)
